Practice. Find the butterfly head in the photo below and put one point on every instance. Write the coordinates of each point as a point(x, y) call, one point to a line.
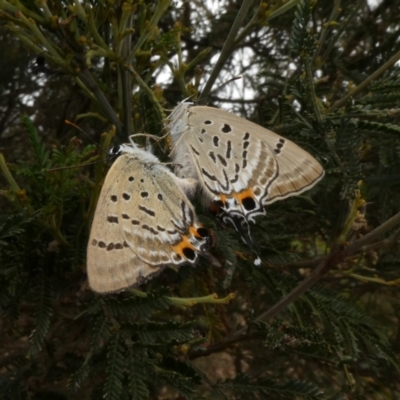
point(115, 151)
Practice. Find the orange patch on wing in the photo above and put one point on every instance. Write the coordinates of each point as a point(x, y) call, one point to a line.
point(183, 244)
point(193, 230)
point(222, 198)
point(243, 195)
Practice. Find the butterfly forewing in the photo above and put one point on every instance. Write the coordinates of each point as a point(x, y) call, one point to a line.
point(142, 223)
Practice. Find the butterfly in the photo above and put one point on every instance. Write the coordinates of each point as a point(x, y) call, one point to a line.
point(240, 166)
point(142, 223)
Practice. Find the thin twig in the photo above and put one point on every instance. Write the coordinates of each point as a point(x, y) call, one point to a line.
point(365, 83)
point(337, 256)
point(229, 47)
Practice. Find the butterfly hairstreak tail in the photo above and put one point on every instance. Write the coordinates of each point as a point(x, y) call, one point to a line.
point(240, 166)
point(142, 223)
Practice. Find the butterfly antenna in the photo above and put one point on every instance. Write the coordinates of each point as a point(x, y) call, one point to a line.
point(75, 166)
point(82, 165)
point(147, 135)
point(87, 136)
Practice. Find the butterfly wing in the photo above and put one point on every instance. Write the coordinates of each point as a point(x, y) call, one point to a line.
point(240, 165)
point(157, 220)
point(134, 232)
point(111, 264)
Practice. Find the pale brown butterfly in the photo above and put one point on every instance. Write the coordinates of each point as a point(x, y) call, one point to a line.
point(240, 166)
point(143, 222)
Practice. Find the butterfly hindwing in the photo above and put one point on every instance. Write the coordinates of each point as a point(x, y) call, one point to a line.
point(157, 220)
point(143, 222)
point(239, 165)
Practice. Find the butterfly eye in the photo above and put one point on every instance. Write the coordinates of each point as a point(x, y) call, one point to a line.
point(115, 151)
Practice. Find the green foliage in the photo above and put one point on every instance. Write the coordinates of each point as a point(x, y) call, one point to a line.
point(115, 368)
point(102, 64)
point(136, 307)
point(136, 375)
point(44, 310)
point(291, 389)
point(302, 40)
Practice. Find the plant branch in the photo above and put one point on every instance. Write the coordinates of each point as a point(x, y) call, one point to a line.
point(366, 82)
point(229, 47)
point(337, 256)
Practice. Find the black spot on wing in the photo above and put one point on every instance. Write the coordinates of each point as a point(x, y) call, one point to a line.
point(189, 253)
point(279, 146)
point(222, 160)
point(244, 161)
point(195, 151)
point(147, 211)
point(223, 186)
point(226, 186)
point(203, 232)
point(110, 246)
point(112, 219)
point(249, 203)
point(150, 229)
point(228, 149)
point(226, 128)
point(212, 156)
point(209, 176)
point(235, 179)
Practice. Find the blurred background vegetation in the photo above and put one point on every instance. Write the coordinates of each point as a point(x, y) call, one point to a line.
point(322, 73)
